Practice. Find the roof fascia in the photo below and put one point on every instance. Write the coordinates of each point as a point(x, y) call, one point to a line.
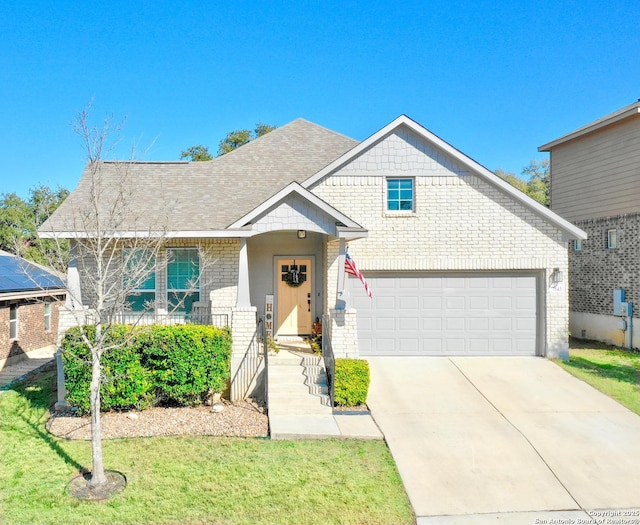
point(32, 294)
point(294, 187)
point(477, 168)
point(625, 113)
point(173, 234)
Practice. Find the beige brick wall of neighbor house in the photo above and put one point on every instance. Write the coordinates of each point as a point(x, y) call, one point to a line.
point(31, 329)
point(460, 223)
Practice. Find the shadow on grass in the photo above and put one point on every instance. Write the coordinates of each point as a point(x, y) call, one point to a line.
point(618, 372)
point(39, 392)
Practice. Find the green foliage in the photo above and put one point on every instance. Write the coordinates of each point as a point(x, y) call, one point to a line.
point(187, 362)
point(125, 383)
point(351, 382)
point(157, 364)
point(534, 180)
point(240, 137)
point(196, 154)
point(19, 220)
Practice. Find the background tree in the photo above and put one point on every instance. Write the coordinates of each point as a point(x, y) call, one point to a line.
point(20, 219)
point(235, 139)
point(231, 141)
point(534, 180)
point(196, 154)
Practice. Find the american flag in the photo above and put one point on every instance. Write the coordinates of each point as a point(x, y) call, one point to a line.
point(351, 268)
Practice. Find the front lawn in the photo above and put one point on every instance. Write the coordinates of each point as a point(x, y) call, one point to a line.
point(613, 371)
point(178, 480)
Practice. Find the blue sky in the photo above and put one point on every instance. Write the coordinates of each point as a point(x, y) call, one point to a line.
point(496, 79)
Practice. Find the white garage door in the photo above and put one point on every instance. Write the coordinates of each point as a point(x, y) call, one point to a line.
point(446, 314)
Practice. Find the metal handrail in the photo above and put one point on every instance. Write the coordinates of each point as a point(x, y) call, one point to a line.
point(250, 364)
point(328, 357)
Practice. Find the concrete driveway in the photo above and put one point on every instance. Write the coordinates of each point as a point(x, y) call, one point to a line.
point(485, 436)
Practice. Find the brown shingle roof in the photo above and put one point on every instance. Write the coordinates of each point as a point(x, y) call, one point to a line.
point(194, 196)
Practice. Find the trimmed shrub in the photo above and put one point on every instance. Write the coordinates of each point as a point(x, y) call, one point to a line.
point(179, 364)
point(125, 383)
point(187, 362)
point(351, 382)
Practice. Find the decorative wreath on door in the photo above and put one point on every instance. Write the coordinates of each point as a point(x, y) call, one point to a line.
point(294, 275)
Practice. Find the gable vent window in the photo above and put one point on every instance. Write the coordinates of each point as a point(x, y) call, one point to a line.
point(612, 239)
point(400, 195)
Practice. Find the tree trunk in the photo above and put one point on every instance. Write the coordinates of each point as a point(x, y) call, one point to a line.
point(98, 476)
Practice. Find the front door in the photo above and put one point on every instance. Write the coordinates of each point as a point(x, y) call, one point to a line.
point(294, 296)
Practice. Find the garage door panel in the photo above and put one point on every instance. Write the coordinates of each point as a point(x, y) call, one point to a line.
point(501, 324)
point(432, 303)
point(429, 314)
point(478, 323)
point(409, 302)
point(454, 303)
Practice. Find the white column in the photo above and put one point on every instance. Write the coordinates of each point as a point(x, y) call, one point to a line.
point(341, 299)
point(244, 296)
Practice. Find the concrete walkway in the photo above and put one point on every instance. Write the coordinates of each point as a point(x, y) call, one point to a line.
point(478, 440)
point(298, 410)
point(33, 361)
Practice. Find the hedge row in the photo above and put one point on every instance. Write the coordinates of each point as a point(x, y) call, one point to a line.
point(150, 365)
point(351, 382)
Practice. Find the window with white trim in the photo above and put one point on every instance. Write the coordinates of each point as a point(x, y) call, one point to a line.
point(612, 239)
point(183, 278)
point(139, 278)
point(400, 195)
point(13, 322)
point(47, 317)
point(577, 245)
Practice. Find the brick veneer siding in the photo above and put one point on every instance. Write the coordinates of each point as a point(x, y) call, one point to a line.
point(31, 332)
point(596, 270)
point(460, 223)
point(219, 267)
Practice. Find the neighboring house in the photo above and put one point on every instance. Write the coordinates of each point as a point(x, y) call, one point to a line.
point(595, 184)
point(459, 262)
point(30, 297)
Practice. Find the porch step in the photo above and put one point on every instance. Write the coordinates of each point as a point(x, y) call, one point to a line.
point(298, 400)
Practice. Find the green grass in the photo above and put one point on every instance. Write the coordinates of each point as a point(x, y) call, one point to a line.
point(191, 480)
point(613, 371)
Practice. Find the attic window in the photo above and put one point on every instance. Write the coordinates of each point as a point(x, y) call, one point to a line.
point(400, 195)
point(577, 245)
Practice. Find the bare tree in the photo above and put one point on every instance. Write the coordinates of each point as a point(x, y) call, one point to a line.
point(110, 252)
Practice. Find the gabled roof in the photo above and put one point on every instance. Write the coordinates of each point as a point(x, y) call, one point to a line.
point(345, 226)
point(473, 166)
point(19, 276)
point(632, 110)
point(202, 198)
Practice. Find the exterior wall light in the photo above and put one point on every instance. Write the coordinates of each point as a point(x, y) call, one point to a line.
point(556, 276)
point(302, 234)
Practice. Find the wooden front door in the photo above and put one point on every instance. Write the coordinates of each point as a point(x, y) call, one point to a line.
point(294, 296)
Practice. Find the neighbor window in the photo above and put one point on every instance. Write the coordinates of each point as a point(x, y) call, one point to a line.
point(400, 195)
point(577, 245)
point(183, 284)
point(139, 279)
point(612, 239)
point(13, 321)
point(47, 317)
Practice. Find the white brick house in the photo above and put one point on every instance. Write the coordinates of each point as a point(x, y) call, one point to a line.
point(459, 262)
